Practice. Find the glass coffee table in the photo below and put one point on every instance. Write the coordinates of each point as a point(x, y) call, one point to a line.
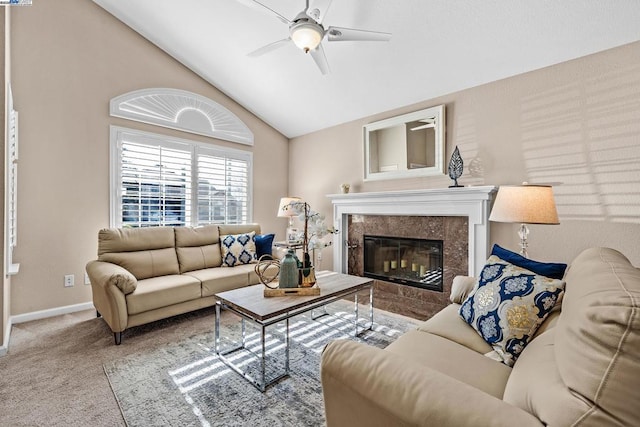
point(249, 303)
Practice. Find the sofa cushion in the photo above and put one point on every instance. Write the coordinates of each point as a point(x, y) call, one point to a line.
point(145, 264)
point(134, 239)
point(536, 386)
point(163, 291)
point(596, 347)
point(198, 247)
point(215, 280)
point(447, 323)
point(453, 360)
point(508, 304)
point(238, 249)
point(238, 228)
point(144, 252)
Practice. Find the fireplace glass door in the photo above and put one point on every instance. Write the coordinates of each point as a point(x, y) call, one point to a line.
point(408, 261)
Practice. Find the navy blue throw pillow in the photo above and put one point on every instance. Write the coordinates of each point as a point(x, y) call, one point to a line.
point(264, 242)
point(548, 269)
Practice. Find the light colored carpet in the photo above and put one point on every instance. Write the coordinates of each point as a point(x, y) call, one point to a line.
point(185, 384)
point(54, 371)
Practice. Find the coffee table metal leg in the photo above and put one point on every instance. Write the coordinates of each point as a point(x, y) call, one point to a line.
point(286, 347)
point(370, 307)
point(355, 300)
point(216, 342)
point(263, 362)
point(244, 335)
point(366, 327)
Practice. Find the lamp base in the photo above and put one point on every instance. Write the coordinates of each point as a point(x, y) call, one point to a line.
point(523, 233)
point(293, 236)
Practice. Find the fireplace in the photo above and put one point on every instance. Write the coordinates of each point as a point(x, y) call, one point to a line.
point(457, 216)
point(407, 261)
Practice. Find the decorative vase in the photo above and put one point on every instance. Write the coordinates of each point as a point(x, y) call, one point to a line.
point(289, 271)
point(307, 277)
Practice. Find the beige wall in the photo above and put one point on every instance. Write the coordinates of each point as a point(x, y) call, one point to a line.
point(70, 57)
point(574, 123)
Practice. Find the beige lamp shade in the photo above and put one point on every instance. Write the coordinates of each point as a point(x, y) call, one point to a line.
point(526, 204)
point(285, 201)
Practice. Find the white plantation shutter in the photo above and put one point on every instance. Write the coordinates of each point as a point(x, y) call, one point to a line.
point(165, 181)
point(223, 187)
point(12, 187)
point(11, 193)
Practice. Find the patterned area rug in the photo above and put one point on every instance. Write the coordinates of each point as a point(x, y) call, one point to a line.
point(185, 384)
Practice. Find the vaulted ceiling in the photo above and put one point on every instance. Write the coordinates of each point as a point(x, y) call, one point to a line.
point(437, 47)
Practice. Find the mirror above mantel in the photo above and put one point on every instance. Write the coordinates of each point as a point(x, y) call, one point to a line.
point(406, 146)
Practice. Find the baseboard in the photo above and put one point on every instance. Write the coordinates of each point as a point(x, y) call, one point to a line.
point(52, 312)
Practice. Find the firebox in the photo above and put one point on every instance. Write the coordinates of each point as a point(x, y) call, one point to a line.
point(409, 261)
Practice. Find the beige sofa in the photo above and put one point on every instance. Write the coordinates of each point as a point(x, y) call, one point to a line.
point(582, 367)
point(146, 274)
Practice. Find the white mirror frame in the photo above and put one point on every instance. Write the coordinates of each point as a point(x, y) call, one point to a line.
point(436, 112)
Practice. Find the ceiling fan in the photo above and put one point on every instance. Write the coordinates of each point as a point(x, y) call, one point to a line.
point(307, 32)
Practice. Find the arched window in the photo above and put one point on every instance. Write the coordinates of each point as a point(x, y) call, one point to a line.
point(160, 180)
point(181, 110)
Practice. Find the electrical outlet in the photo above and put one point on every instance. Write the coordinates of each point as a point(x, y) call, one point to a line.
point(68, 280)
point(87, 281)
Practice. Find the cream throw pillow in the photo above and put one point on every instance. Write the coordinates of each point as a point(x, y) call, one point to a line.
point(238, 249)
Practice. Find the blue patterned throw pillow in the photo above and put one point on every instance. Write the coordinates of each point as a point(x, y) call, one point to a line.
point(238, 249)
point(508, 304)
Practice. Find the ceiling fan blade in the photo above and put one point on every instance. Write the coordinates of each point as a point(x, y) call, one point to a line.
point(318, 9)
point(340, 34)
point(254, 4)
point(320, 59)
point(268, 48)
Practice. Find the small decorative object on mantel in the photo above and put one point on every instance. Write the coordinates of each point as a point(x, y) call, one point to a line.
point(456, 166)
point(344, 188)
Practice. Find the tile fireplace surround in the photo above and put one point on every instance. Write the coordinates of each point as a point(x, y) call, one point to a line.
point(432, 214)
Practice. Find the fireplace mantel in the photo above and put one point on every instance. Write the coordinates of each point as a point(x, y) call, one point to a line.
point(472, 202)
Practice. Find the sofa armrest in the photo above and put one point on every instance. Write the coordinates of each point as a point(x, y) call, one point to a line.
point(461, 287)
point(107, 274)
point(367, 386)
point(110, 283)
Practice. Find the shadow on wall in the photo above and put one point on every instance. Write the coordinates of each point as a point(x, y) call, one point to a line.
point(587, 136)
point(466, 139)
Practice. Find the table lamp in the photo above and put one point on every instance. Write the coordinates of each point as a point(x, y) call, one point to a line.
point(524, 204)
point(284, 210)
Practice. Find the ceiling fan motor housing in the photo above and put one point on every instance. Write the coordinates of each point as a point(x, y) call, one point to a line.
point(306, 33)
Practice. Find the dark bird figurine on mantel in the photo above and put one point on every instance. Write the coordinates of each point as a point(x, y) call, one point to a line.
point(455, 167)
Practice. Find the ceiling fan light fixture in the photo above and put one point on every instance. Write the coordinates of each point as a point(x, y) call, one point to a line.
point(306, 35)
